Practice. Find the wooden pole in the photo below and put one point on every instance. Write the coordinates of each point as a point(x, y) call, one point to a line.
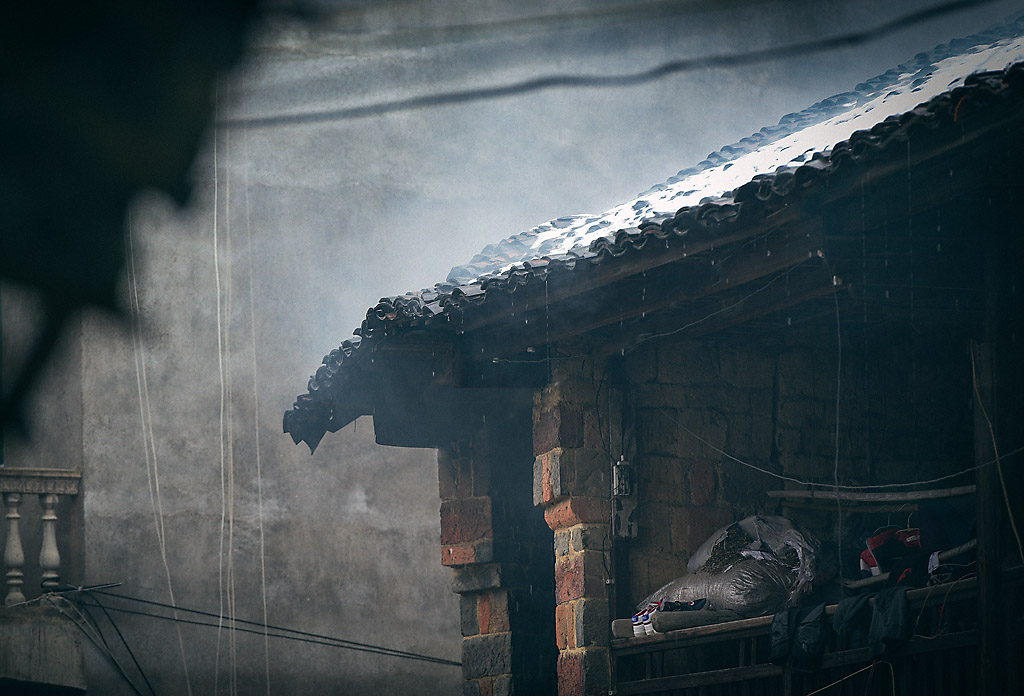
point(879, 497)
point(991, 666)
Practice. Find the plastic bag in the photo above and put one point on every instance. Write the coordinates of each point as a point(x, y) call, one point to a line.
point(748, 588)
point(768, 538)
point(753, 567)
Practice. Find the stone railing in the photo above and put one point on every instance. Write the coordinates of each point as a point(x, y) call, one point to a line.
point(16, 484)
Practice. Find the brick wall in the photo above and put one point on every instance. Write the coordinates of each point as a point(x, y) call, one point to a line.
point(572, 428)
point(500, 550)
point(770, 399)
point(536, 580)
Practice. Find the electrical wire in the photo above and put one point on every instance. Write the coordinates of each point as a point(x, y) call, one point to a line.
point(995, 450)
point(841, 680)
point(220, 367)
point(229, 373)
point(801, 482)
point(97, 640)
point(256, 407)
point(648, 337)
point(148, 437)
point(839, 383)
point(732, 60)
point(281, 631)
point(124, 642)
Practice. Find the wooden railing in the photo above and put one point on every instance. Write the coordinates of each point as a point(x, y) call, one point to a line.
point(731, 658)
point(16, 485)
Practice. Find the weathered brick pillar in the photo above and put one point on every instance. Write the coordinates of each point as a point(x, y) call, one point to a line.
point(495, 542)
point(571, 475)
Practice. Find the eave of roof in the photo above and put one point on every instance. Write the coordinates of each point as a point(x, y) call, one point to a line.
point(445, 306)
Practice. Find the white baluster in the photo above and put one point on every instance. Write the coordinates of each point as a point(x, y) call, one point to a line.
point(14, 556)
point(49, 556)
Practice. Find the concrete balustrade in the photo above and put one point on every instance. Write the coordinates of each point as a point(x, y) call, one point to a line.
point(16, 484)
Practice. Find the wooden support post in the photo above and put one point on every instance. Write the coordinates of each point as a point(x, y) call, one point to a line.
point(991, 607)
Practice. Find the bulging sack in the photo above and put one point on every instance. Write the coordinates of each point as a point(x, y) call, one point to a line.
point(753, 567)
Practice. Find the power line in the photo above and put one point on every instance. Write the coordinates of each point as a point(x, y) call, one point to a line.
point(537, 84)
point(801, 482)
point(580, 19)
point(124, 642)
point(282, 632)
point(100, 642)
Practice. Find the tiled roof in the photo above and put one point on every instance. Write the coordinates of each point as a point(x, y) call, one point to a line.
point(758, 172)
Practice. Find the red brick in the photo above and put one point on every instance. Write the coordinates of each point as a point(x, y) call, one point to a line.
point(583, 672)
point(466, 554)
point(579, 575)
point(565, 626)
point(573, 511)
point(458, 555)
point(545, 462)
point(499, 612)
point(559, 426)
point(487, 686)
point(483, 612)
point(570, 673)
point(465, 519)
point(568, 578)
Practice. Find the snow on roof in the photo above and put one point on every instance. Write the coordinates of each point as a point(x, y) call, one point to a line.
point(792, 141)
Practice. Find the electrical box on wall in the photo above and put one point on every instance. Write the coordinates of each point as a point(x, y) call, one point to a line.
point(624, 499)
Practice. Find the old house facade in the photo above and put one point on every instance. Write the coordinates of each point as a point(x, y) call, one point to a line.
point(828, 309)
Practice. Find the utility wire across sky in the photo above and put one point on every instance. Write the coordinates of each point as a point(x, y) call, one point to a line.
point(275, 631)
point(659, 72)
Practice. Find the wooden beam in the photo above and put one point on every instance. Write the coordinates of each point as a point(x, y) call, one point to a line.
point(729, 268)
point(744, 304)
point(825, 507)
point(656, 253)
point(879, 497)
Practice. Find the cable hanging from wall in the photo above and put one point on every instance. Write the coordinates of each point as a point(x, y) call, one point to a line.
point(148, 438)
point(259, 627)
point(256, 409)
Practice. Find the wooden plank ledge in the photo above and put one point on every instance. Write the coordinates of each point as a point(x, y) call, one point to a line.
point(881, 497)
